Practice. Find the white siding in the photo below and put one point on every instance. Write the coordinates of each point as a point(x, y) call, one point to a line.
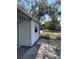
point(34, 35)
point(25, 33)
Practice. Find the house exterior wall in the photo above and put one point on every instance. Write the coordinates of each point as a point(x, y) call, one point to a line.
point(17, 33)
point(25, 33)
point(34, 35)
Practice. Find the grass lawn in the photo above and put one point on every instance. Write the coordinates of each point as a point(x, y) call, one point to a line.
point(49, 35)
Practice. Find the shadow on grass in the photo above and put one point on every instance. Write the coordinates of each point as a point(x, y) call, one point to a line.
point(49, 37)
point(44, 37)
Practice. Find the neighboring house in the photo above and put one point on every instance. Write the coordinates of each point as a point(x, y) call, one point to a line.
point(27, 28)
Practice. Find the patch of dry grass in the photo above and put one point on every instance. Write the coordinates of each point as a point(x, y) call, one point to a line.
point(50, 35)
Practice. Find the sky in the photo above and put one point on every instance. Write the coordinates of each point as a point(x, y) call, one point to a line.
point(50, 1)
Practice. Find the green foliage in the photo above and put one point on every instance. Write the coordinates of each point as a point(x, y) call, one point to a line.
point(54, 21)
point(50, 24)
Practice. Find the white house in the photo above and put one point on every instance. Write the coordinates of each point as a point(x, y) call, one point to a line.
point(27, 28)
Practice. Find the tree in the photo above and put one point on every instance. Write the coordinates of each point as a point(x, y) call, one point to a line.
point(51, 25)
point(38, 8)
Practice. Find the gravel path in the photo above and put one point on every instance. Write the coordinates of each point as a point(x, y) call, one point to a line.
point(49, 49)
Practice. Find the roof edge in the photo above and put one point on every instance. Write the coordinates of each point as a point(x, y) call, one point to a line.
point(26, 14)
